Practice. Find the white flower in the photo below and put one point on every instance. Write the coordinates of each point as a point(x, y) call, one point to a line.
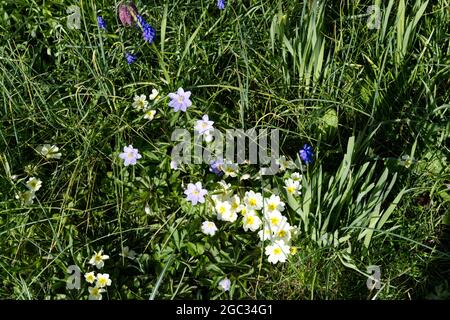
point(98, 259)
point(154, 94)
point(209, 228)
point(140, 102)
point(95, 293)
point(224, 212)
point(253, 200)
point(34, 184)
point(243, 209)
point(225, 284)
point(103, 280)
point(173, 165)
point(230, 169)
point(274, 203)
point(26, 198)
point(150, 114)
point(284, 163)
point(90, 277)
point(265, 234)
point(282, 232)
point(292, 187)
point(49, 152)
point(275, 219)
point(235, 202)
point(204, 125)
point(251, 221)
point(245, 176)
point(296, 176)
point(127, 253)
point(277, 252)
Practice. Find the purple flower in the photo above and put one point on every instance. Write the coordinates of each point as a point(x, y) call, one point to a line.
point(101, 23)
point(216, 166)
point(130, 155)
point(195, 193)
point(130, 58)
point(306, 154)
point(148, 33)
point(126, 13)
point(221, 4)
point(180, 100)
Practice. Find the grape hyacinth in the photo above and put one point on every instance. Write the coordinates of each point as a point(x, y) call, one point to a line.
point(221, 4)
point(306, 154)
point(130, 58)
point(101, 23)
point(148, 32)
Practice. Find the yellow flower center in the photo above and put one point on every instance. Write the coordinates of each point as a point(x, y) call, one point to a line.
point(252, 202)
point(282, 233)
point(291, 189)
point(274, 220)
point(250, 220)
point(272, 206)
point(277, 251)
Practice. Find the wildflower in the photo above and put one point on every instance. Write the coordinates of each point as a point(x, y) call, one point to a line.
point(406, 161)
point(251, 221)
point(127, 253)
point(265, 234)
point(292, 187)
point(195, 193)
point(180, 100)
point(154, 94)
point(282, 231)
point(275, 219)
point(293, 250)
point(173, 165)
point(224, 212)
point(253, 200)
point(131, 58)
point(49, 152)
point(209, 228)
point(204, 125)
point(126, 13)
point(90, 277)
point(148, 33)
point(306, 154)
point(26, 198)
point(296, 176)
point(221, 4)
point(150, 114)
point(225, 284)
point(284, 163)
point(274, 203)
point(277, 252)
point(243, 209)
point(235, 202)
point(230, 169)
point(103, 280)
point(216, 166)
point(101, 23)
point(98, 259)
point(140, 102)
point(34, 184)
point(130, 155)
point(208, 136)
point(95, 293)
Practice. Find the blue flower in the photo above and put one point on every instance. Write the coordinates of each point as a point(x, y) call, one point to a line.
point(148, 32)
point(216, 167)
point(130, 58)
point(221, 4)
point(101, 23)
point(306, 153)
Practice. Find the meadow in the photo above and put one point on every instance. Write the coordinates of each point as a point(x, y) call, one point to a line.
point(93, 204)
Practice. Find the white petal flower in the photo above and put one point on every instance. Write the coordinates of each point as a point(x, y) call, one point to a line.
point(95, 293)
point(253, 200)
point(103, 280)
point(154, 94)
point(140, 102)
point(127, 253)
point(34, 184)
point(90, 277)
point(209, 228)
point(49, 152)
point(98, 259)
point(251, 221)
point(292, 187)
point(284, 163)
point(150, 114)
point(225, 284)
point(230, 169)
point(277, 252)
point(274, 203)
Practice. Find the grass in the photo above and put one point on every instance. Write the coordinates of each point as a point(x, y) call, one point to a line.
point(315, 70)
